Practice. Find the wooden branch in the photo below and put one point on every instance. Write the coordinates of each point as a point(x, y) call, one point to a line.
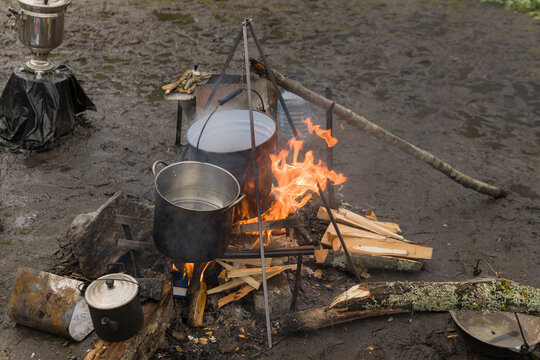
point(370, 128)
point(366, 300)
point(386, 246)
point(256, 271)
point(350, 218)
point(197, 304)
point(365, 262)
point(157, 315)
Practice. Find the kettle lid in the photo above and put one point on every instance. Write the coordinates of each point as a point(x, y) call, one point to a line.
point(44, 5)
point(111, 291)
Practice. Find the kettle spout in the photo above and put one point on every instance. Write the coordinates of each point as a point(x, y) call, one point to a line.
point(110, 324)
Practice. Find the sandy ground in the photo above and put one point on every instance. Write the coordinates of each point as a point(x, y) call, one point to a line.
point(458, 78)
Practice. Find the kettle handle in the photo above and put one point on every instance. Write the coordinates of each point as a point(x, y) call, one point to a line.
point(154, 167)
point(235, 202)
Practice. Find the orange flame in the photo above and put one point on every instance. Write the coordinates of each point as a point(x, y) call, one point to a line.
point(188, 270)
point(296, 180)
point(341, 127)
point(324, 134)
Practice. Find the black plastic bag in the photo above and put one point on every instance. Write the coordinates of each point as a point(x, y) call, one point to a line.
point(33, 113)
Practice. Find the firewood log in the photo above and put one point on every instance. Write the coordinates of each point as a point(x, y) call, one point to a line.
point(366, 300)
point(364, 262)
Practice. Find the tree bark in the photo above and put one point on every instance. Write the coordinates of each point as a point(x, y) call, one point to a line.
point(380, 133)
point(366, 300)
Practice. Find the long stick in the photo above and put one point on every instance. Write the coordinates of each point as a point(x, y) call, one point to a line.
point(245, 24)
point(380, 133)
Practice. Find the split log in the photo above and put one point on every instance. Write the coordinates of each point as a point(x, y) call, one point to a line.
point(364, 263)
point(256, 271)
point(246, 289)
point(252, 262)
point(157, 315)
point(197, 304)
point(370, 128)
point(350, 231)
point(349, 218)
point(367, 300)
point(390, 247)
point(247, 279)
point(228, 285)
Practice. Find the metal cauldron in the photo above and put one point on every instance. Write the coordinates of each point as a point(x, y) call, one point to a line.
point(226, 142)
point(194, 210)
point(40, 25)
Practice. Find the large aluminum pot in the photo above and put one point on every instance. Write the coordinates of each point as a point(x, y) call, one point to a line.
point(194, 210)
point(226, 142)
point(40, 24)
point(115, 306)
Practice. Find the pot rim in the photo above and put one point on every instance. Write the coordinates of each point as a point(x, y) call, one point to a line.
point(203, 163)
point(41, 10)
point(194, 146)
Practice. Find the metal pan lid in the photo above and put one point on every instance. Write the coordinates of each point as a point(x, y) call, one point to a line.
point(44, 6)
point(111, 291)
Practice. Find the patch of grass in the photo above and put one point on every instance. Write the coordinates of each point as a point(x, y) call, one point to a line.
point(531, 7)
point(5, 241)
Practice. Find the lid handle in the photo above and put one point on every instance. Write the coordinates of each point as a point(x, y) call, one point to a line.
point(110, 283)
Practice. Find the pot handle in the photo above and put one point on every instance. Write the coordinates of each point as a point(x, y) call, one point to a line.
point(235, 202)
point(154, 166)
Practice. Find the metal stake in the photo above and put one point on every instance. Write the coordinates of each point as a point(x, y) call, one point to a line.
point(330, 150)
point(247, 22)
point(225, 66)
point(333, 220)
point(273, 80)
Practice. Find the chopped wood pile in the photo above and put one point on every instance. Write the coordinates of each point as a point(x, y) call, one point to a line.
point(246, 273)
point(371, 243)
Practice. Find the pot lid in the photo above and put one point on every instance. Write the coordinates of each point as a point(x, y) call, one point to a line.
point(44, 5)
point(111, 291)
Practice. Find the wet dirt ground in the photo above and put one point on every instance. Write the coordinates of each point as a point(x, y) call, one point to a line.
point(460, 79)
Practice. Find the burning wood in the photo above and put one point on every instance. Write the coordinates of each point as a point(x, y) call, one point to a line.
point(197, 304)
